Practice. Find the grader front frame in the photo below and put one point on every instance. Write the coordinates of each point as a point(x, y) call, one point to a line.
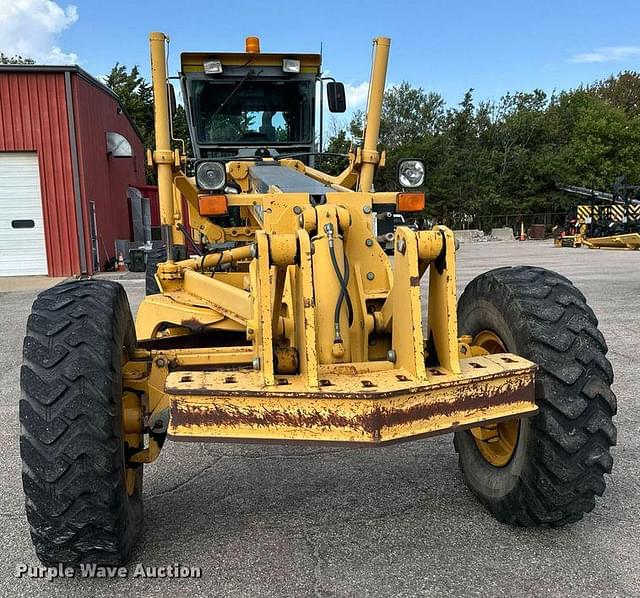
point(300, 328)
point(331, 344)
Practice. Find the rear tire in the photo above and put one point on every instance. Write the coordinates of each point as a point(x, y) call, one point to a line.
point(157, 256)
point(562, 453)
point(72, 438)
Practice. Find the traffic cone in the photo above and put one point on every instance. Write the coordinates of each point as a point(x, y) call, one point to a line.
point(121, 267)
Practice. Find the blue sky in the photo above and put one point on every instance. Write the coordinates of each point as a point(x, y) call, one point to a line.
point(492, 46)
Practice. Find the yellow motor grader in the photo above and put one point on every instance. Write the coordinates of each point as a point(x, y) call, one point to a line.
point(274, 315)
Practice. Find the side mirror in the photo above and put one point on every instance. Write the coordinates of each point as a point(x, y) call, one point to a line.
point(171, 93)
point(336, 97)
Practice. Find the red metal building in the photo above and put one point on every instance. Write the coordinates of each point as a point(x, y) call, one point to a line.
point(68, 153)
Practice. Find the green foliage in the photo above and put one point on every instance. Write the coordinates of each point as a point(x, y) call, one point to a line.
point(502, 157)
point(136, 95)
point(622, 91)
point(338, 144)
point(508, 156)
point(603, 144)
point(181, 128)
point(16, 59)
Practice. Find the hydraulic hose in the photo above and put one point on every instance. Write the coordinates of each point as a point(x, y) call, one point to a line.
point(189, 238)
point(343, 280)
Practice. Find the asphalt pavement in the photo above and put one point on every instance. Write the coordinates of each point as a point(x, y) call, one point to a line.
point(398, 521)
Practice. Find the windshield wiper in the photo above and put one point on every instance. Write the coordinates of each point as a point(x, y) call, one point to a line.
point(234, 91)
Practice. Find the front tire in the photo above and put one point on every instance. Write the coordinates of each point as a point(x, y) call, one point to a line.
point(562, 453)
point(74, 469)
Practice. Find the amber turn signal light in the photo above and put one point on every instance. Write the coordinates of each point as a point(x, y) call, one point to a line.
point(410, 202)
point(212, 205)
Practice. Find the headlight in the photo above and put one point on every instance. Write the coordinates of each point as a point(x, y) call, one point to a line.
point(290, 65)
point(411, 173)
point(212, 67)
point(211, 176)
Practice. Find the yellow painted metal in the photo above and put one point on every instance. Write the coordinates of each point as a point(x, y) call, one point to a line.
point(145, 375)
point(305, 314)
point(263, 309)
point(406, 316)
point(442, 310)
point(370, 156)
point(213, 232)
point(617, 212)
point(331, 346)
point(496, 442)
point(576, 240)
point(232, 302)
point(291, 373)
point(193, 61)
point(133, 430)
point(184, 310)
point(224, 256)
point(131, 413)
point(628, 241)
point(163, 156)
point(360, 404)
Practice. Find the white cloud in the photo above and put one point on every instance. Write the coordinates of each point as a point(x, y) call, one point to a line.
point(607, 54)
point(31, 28)
point(356, 95)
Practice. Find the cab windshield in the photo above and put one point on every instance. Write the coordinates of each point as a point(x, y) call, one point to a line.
point(252, 112)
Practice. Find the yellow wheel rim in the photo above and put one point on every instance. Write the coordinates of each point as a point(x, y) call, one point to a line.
point(496, 442)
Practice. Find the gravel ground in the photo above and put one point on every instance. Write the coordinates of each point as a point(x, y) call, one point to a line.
point(398, 521)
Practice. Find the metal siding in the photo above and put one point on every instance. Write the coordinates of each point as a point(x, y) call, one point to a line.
point(33, 118)
point(104, 180)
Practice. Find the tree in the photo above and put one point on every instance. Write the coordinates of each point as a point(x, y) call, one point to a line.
point(604, 143)
point(481, 158)
point(466, 182)
point(410, 115)
point(181, 128)
point(136, 95)
point(339, 143)
point(621, 91)
point(15, 59)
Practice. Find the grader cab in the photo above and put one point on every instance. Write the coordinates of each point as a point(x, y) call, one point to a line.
point(274, 315)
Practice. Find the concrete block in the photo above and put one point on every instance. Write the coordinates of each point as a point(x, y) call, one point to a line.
point(502, 234)
point(469, 235)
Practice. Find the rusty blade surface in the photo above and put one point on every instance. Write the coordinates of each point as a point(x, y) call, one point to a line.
point(374, 407)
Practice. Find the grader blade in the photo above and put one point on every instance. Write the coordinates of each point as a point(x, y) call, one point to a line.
point(354, 403)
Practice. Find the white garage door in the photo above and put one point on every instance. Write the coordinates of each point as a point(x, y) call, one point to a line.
point(22, 248)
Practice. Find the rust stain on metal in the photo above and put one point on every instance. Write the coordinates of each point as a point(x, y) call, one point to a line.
point(370, 423)
point(206, 391)
point(215, 415)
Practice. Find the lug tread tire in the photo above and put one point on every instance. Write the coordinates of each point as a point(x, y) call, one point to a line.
point(157, 256)
point(154, 257)
point(569, 451)
point(71, 425)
